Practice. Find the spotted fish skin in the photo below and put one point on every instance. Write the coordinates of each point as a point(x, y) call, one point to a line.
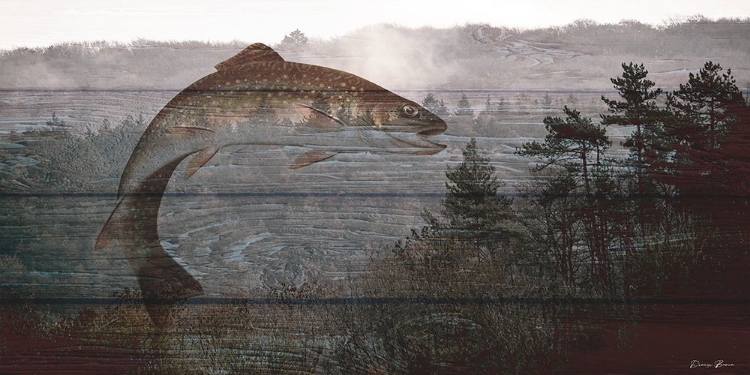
point(254, 98)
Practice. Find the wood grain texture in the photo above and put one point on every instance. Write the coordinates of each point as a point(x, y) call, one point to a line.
point(297, 264)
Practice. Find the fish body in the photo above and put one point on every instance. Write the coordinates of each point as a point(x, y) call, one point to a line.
point(254, 98)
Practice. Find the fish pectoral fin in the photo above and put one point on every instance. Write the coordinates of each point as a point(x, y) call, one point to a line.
point(311, 157)
point(318, 119)
point(200, 159)
point(189, 130)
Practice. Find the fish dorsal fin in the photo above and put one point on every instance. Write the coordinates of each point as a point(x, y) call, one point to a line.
point(256, 52)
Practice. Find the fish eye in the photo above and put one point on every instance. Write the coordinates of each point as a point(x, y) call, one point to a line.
point(410, 111)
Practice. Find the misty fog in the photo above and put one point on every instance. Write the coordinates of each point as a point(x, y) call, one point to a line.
point(580, 56)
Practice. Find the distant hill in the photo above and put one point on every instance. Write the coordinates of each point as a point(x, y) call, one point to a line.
point(579, 56)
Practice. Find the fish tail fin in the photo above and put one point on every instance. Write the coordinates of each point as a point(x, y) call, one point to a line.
point(109, 230)
point(164, 283)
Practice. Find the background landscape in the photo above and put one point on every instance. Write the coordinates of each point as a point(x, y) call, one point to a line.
point(248, 227)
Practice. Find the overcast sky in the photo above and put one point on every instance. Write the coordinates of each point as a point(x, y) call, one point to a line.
point(31, 23)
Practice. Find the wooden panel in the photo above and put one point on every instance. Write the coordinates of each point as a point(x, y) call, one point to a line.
point(299, 268)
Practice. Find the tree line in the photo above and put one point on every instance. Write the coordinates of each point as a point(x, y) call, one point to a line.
point(625, 227)
point(666, 220)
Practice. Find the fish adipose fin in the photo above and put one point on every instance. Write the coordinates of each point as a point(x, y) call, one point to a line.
point(200, 159)
point(311, 157)
point(256, 52)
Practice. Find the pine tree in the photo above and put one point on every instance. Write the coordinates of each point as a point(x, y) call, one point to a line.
point(464, 107)
point(472, 209)
point(442, 109)
point(568, 144)
point(294, 39)
point(709, 169)
point(430, 102)
point(573, 229)
point(487, 119)
point(706, 114)
point(501, 105)
point(638, 109)
point(55, 121)
point(434, 105)
point(547, 101)
point(703, 106)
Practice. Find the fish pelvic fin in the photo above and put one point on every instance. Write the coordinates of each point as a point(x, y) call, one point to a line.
point(200, 159)
point(311, 157)
point(110, 229)
point(255, 52)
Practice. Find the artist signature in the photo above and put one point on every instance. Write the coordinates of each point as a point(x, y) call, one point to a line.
point(716, 364)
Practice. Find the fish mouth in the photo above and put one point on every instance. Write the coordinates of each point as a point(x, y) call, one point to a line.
point(433, 148)
point(433, 126)
point(433, 131)
point(419, 139)
point(420, 143)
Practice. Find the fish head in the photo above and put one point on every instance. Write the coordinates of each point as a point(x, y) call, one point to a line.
point(399, 125)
